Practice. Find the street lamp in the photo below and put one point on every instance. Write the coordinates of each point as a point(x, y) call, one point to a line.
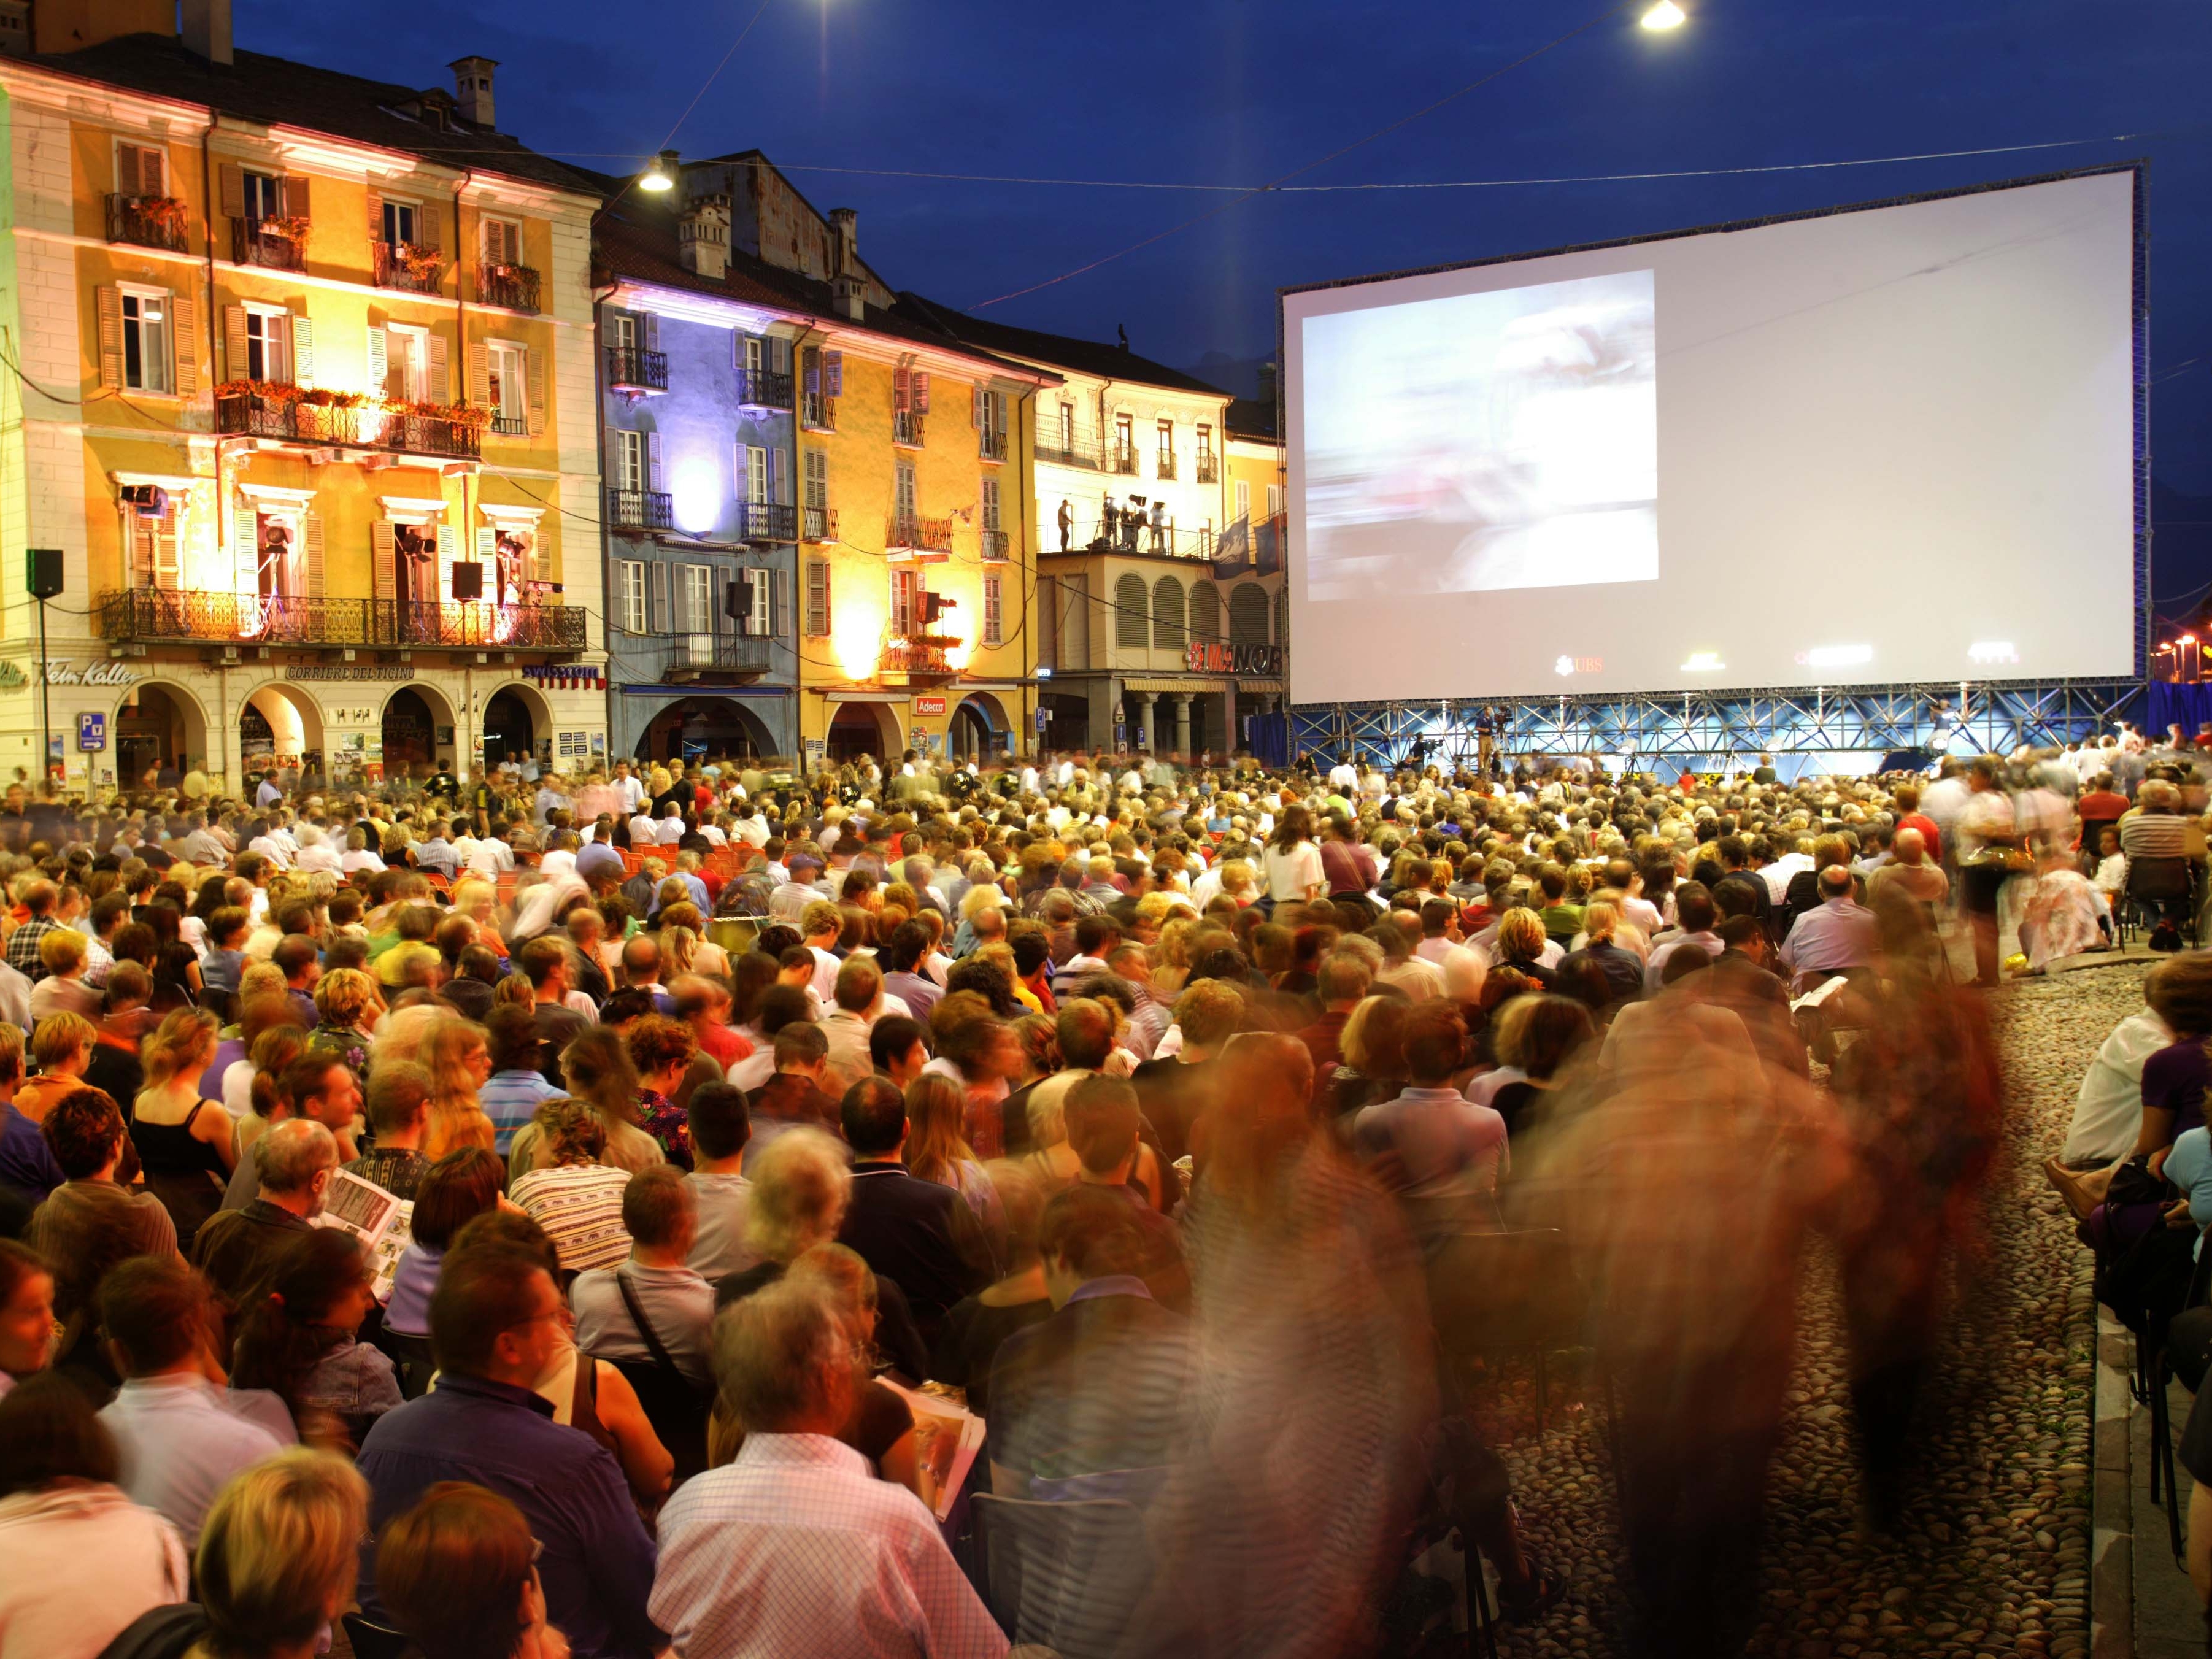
point(1663, 16)
point(659, 175)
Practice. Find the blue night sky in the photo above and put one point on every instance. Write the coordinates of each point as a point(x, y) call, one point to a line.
point(1242, 92)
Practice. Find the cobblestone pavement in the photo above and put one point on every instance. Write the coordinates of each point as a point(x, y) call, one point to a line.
point(1993, 1555)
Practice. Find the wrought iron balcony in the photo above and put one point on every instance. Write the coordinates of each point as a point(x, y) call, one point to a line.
point(817, 413)
point(1209, 467)
point(305, 420)
point(763, 388)
point(1121, 458)
point(767, 521)
point(148, 615)
point(819, 524)
point(633, 368)
point(923, 657)
point(991, 445)
point(715, 659)
point(995, 542)
point(515, 287)
point(906, 429)
point(511, 426)
point(148, 222)
point(905, 533)
point(269, 243)
point(639, 509)
point(1165, 467)
point(409, 267)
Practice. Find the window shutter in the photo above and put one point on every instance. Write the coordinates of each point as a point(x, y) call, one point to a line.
point(230, 183)
point(818, 600)
point(375, 217)
point(993, 610)
point(303, 350)
point(901, 391)
point(441, 388)
point(533, 373)
point(184, 341)
point(652, 462)
point(746, 603)
point(164, 550)
point(445, 540)
point(780, 602)
point(656, 621)
point(245, 550)
point(383, 555)
point(921, 394)
point(810, 372)
point(487, 540)
point(480, 375)
point(310, 543)
point(296, 197)
point(110, 305)
point(426, 226)
point(234, 350)
point(541, 556)
point(976, 407)
point(651, 332)
point(833, 366)
point(779, 466)
point(126, 171)
point(780, 355)
point(380, 370)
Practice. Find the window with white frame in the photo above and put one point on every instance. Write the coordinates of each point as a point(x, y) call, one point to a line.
point(263, 195)
point(902, 489)
point(756, 474)
point(147, 361)
point(1274, 501)
point(625, 332)
point(510, 386)
point(755, 594)
point(818, 598)
point(695, 599)
point(1067, 429)
point(1243, 499)
point(629, 594)
point(906, 600)
point(398, 220)
point(502, 243)
point(406, 362)
point(268, 344)
point(629, 461)
point(995, 600)
point(817, 478)
point(990, 503)
point(141, 170)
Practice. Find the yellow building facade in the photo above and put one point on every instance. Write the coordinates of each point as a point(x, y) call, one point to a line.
point(306, 413)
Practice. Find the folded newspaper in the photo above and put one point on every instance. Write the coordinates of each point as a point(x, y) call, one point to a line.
point(383, 1222)
point(1819, 994)
point(947, 1437)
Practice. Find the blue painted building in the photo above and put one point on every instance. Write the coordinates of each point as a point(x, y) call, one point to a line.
point(701, 504)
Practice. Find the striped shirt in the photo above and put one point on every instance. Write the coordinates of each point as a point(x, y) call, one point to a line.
point(579, 1208)
point(510, 1100)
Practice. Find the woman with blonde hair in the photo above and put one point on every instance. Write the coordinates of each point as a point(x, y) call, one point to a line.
point(1171, 957)
point(458, 1055)
point(938, 1150)
point(279, 1555)
point(1237, 883)
point(983, 895)
point(61, 1047)
point(183, 1140)
point(597, 1066)
point(477, 899)
point(348, 1006)
point(1521, 944)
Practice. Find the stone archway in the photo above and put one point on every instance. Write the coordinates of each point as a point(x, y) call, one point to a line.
point(159, 726)
point(978, 721)
point(864, 728)
point(516, 722)
point(291, 731)
point(419, 731)
point(704, 728)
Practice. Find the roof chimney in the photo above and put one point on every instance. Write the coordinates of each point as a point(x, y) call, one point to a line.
point(1268, 382)
point(703, 237)
point(207, 28)
point(472, 88)
point(845, 226)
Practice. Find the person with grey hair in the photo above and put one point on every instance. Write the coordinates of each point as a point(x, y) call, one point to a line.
point(741, 1555)
point(239, 1250)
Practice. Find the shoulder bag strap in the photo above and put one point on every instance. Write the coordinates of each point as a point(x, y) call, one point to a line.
point(651, 1337)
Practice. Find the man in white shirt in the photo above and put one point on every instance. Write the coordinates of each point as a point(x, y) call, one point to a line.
point(711, 832)
point(671, 829)
point(492, 858)
point(796, 1547)
point(178, 1437)
point(316, 852)
point(1344, 777)
point(643, 831)
point(752, 829)
point(660, 1214)
point(268, 846)
point(629, 789)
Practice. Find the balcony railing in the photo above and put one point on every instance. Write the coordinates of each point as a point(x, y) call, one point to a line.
point(819, 524)
point(515, 287)
point(906, 429)
point(1209, 467)
point(817, 413)
point(365, 426)
point(715, 659)
point(907, 534)
point(162, 615)
point(763, 388)
point(767, 521)
point(994, 546)
point(991, 445)
point(639, 509)
point(409, 267)
point(511, 426)
point(148, 222)
point(1121, 458)
point(258, 242)
point(923, 657)
point(1164, 464)
point(633, 368)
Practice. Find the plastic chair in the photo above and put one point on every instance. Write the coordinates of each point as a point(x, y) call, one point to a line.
point(1493, 1295)
point(2152, 882)
point(1062, 1576)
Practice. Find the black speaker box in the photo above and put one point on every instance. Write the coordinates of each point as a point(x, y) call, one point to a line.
point(46, 572)
point(468, 581)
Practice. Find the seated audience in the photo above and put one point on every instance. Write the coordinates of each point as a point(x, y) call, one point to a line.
point(661, 1215)
point(458, 1573)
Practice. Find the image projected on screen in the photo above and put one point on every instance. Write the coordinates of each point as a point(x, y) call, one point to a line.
point(1484, 441)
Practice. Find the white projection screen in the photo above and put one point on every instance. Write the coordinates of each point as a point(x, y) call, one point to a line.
point(1884, 445)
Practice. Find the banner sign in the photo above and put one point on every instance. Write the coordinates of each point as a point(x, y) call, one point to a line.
point(1257, 661)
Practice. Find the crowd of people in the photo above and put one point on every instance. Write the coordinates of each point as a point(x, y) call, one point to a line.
point(745, 1125)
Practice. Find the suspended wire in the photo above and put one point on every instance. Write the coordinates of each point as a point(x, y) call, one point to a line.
point(1296, 172)
point(712, 77)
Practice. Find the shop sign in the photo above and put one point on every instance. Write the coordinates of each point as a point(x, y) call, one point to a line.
point(929, 705)
point(1257, 661)
point(92, 729)
point(98, 673)
point(572, 745)
point(347, 671)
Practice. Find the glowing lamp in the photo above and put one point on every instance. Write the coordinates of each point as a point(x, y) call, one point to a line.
point(1663, 16)
point(660, 173)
